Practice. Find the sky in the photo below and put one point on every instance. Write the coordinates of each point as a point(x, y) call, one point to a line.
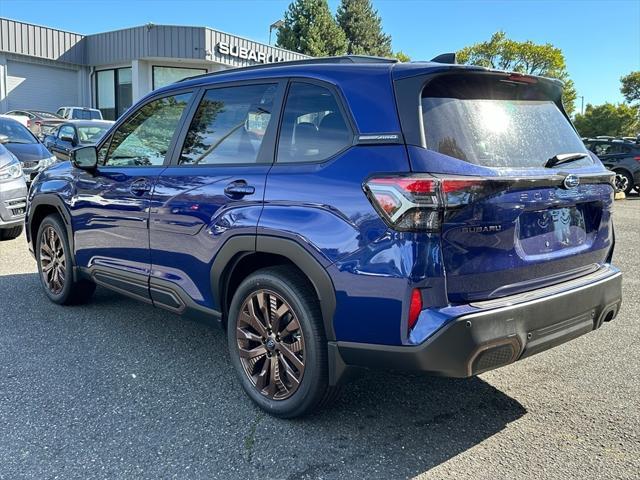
point(600, 39)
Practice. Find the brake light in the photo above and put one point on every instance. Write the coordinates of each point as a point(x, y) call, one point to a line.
point(415, 307)
point(637, 159)
point(521, 78)
point(417, 202)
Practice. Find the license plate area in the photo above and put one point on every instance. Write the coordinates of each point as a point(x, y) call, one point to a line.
point(552, 230)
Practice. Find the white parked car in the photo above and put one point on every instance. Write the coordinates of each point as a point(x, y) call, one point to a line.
point(79, 113)
point(23, 119)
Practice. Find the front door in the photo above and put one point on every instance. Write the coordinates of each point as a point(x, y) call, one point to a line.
point(111, 205)
point(64, 142)
point(213, 189)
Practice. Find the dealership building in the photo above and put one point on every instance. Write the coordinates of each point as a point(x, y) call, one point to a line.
point(43, 68)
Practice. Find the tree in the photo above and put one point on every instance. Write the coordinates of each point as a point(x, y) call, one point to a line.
point(310, 29)
point(403, 57)
point(363, 28)
point(631, 87)
point(502, 53)
point(608, 119)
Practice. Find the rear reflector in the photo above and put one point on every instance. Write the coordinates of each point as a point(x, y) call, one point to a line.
point(415, 307)
point(416, 202)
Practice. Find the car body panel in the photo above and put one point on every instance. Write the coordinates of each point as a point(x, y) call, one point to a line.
point(176, 233)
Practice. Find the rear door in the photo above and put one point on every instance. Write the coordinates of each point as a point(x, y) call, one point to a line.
point(213, 189)
point(508, 223)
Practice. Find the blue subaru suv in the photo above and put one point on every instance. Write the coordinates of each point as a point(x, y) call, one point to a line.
point(338, 213)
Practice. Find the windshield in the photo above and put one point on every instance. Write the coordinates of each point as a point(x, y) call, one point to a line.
point(497, 124)
point(90, 134)
point(86, 115)
point(16, 132)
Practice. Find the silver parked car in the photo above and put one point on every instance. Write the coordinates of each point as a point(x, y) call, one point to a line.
point(13, 195)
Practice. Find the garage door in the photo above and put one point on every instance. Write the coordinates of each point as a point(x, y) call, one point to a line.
point(40, 87)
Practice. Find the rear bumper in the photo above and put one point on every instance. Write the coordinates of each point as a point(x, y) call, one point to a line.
point(497, 332)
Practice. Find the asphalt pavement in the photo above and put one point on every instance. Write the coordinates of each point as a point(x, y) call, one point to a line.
point(115, 389)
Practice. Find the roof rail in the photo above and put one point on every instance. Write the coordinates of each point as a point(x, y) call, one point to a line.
point(306, 61)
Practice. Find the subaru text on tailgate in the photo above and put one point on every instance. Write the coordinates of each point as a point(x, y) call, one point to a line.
point(340, 213)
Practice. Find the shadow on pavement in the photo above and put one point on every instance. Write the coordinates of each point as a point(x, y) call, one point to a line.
point(122, 389)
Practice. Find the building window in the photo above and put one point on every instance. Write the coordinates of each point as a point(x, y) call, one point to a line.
point(113, 92)
point(167, 75)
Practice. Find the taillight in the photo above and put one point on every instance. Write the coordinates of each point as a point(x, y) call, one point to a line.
point(415, 307)
point(637, 159)
point(417, 202)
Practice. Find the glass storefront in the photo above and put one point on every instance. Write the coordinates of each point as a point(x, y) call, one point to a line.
point(167, 75)
point(114, 93)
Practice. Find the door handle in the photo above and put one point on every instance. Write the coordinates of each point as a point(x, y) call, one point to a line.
point(239, 189)
point(140, 187)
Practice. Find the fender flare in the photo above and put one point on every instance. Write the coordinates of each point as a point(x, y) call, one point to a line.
point(51, 200)
point(239, 246)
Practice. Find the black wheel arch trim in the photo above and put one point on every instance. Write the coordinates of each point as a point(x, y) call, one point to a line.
point(51, 200)
point(238, 247)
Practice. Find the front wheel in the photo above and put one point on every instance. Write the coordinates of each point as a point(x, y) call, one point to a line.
point(55, 265)
point(10, 233)
point(277, 342)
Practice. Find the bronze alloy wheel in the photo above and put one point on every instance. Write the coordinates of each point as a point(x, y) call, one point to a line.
point(52, 260)
point(271, 344)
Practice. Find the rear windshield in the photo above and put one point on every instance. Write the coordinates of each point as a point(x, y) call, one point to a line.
point(86, 115)
point(496, 122)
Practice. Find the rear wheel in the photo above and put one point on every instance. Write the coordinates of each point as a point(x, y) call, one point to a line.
point(10, 233)
point(277, 342)
point(55, 265)
point(623, 182)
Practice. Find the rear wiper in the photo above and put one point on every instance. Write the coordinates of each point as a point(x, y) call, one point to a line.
point(563, 158)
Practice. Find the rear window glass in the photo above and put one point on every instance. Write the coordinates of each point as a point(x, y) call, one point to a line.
point(86, 115)
point(496, 123)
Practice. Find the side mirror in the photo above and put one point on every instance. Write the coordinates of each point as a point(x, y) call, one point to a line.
point(85, 158)
point(71, 140)
point(4, 139)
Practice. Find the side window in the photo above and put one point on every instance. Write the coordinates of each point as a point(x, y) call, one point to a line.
point(67, 131)
point(229, 126)
point(144, 138)
point(313, 128)
point(602, 148)
point(60, 112)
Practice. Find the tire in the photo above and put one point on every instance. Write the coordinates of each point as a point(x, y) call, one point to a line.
point(10, 233)
point(280, 289)
point(57, 280)
point(623, 182)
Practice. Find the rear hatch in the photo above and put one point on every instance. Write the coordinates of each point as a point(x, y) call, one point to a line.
point(509, 219)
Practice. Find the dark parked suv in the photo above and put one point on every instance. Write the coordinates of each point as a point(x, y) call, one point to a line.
point(620, 156)
point(340, 213)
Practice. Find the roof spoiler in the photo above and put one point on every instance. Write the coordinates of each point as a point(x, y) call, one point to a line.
point(445, 58)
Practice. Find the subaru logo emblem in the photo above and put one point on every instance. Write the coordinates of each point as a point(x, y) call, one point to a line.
point(571, 181)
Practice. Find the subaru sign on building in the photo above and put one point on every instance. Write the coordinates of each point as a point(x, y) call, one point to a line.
point(42, 68)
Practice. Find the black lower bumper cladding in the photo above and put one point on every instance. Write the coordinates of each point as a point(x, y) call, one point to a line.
point(500, 332)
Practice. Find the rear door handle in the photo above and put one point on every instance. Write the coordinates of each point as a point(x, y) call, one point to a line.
point(239, 189)
point(140, 186)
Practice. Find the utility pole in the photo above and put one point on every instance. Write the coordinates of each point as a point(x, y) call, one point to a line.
point(581, 97)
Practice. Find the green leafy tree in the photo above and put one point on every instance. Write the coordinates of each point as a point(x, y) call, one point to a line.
point(526, 57)
point(309, 28)
point(631, 87)
point(403, 57)
point(608, 119)
point(362, 26)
